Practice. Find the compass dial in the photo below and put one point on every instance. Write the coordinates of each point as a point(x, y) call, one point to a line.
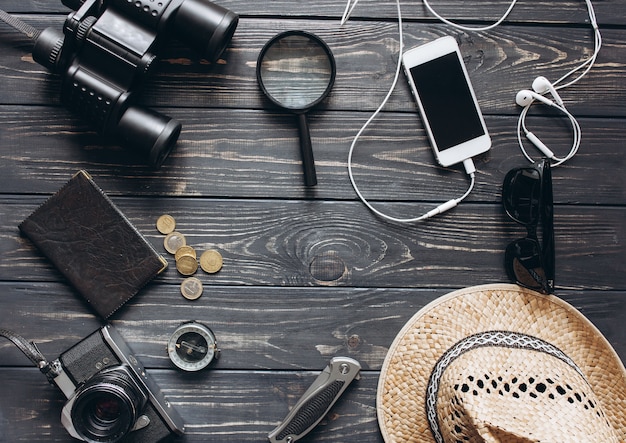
point(192, 346)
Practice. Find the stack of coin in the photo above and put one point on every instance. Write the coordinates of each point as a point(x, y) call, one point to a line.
point(186, 261)
point(186, 258)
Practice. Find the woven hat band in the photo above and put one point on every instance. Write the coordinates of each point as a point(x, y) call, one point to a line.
point(497, 386)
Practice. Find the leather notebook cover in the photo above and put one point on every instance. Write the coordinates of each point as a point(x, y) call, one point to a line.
point(93, 244)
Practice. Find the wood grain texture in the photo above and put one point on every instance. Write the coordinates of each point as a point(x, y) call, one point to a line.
point(500, 63)
point(209, 402)
point(559, 11)
point(308, 273)
point(257, 328)
point(278, 243)
point(255, 154)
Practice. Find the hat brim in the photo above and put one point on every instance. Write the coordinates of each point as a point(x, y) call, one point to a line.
point(401, 394)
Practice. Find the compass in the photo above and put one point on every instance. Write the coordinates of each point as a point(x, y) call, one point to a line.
point(192, 346)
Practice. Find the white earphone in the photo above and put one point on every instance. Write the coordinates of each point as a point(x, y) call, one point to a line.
point(541, 85)
point(525, 98)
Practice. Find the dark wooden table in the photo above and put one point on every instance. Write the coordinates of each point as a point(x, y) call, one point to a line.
point(308, 273)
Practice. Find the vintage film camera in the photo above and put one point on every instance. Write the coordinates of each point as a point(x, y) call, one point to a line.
point(110, 397)
point(107, 48)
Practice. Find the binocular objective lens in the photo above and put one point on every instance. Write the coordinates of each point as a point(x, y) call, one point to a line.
point(148, 133)
point(205, 27)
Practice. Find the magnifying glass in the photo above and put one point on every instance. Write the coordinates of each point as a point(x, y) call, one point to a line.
point(296, 70)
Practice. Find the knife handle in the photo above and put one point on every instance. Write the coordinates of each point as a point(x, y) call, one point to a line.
point(317, 400)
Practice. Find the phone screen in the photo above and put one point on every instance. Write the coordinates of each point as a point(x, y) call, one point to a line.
point(447, 101)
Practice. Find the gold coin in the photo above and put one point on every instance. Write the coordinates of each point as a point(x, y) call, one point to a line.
point(185, 250)
point(166, 224)
point(191, 288)
point(187, 265)
point(173, 241)
point(211, 261)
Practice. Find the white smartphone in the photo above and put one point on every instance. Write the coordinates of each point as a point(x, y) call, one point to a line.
point(446, 100)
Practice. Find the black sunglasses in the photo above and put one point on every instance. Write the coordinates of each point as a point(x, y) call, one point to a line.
point(527, 199)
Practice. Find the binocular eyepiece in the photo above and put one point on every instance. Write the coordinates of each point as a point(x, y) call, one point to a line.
point(107, 49)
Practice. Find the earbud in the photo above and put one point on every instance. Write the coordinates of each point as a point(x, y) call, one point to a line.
point(541, 85)
point(525, 98)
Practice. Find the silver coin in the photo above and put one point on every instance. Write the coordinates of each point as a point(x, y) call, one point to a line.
point(191, 288)
point(173, 241)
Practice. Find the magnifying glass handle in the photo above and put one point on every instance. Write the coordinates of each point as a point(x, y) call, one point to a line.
point(310, 178)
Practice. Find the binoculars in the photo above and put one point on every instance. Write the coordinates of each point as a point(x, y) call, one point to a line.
point(107, 48)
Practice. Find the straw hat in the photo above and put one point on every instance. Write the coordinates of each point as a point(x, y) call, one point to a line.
point(500, 363)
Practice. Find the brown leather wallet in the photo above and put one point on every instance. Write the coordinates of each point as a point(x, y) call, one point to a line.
point(93, 244)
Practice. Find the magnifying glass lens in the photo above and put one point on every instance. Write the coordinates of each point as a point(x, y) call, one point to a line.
point(296, 71)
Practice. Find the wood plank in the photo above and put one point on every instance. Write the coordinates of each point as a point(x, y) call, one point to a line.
point(500, 64)
point(559, 11)
point(283, 243)
point(257, 328)
point(255, 154)
point(216, 406)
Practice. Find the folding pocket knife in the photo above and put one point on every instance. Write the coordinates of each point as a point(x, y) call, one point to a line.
point(317, 400)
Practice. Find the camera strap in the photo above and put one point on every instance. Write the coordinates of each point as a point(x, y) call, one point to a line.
point(50, 370)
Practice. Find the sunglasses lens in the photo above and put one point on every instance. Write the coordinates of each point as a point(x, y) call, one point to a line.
point(521, 194)
point(525, 266)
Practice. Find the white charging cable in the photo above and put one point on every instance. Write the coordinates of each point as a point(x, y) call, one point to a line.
point(468, 28)
point(468, 163)
point(557, 84)
point(352, 4)
point(563, 82)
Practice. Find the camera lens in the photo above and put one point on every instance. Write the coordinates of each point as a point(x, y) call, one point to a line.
point(104, 410)
point(107, 409)
point(107, 406)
